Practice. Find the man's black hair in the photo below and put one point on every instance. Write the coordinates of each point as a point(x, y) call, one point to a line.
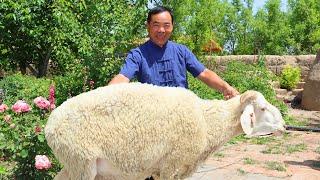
point(157, 10)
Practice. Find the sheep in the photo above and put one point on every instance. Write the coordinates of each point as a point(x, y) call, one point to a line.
point(130, 131)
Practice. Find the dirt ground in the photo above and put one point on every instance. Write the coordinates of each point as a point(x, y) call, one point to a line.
point(292, 156)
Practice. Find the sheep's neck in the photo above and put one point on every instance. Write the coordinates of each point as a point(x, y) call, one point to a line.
point(222, 118)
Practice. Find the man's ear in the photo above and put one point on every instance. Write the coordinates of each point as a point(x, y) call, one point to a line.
point(248, 119)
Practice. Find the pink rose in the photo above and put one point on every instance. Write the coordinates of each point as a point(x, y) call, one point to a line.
point(51, 97)
point(21, 106)
point(37, 129)
point(91, 82)
point(41, 102)
point(3, 107)
point(42, 162)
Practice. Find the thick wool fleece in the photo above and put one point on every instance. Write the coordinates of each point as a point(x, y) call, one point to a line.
point(140, 130)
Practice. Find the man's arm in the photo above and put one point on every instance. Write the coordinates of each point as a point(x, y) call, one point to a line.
point(214, 81)
point(119, 79)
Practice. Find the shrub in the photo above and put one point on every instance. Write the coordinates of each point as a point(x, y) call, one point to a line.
point(21, 133)
point(243, 77)
point(202, 90)
point(290, 76)
point(253, 77)
point(82, 78)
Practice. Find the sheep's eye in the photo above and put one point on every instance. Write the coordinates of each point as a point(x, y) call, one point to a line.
point(263, 109)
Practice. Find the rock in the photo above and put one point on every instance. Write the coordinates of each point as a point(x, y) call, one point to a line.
point(311, 93)
point(281, 91)
point(300, 85)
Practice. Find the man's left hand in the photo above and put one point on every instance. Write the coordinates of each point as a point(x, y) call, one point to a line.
point(230, 92)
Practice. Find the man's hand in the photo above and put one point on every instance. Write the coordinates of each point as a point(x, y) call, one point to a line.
point(230, 92)
point(214, 81)
point(119, 79)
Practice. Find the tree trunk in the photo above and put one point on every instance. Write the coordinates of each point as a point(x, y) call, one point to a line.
point(23, 66)
point(43, 64)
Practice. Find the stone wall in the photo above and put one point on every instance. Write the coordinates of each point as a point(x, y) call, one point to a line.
point(273, 62)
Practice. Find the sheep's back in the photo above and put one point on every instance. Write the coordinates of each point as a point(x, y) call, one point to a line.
point(126, 120)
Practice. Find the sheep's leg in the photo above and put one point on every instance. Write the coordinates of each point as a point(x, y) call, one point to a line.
point(156, 176)
point(63, 174)
point(83, 171)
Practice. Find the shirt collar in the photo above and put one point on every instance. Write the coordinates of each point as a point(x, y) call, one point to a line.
point(154, 45)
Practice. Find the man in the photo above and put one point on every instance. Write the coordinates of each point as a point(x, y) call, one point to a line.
point(165, 63)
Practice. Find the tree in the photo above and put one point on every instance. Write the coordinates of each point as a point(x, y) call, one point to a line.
point(197, 22)
point(24, 30)
point(69, 32)
point(304, 16)
point(238, 27)
point(272, 31)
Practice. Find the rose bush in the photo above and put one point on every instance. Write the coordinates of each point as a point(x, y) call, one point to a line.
point(22, 140)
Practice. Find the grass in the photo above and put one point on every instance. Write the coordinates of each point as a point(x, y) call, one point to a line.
point(291, 148)
point(218, 154)
point(249, 161)
point(263, 140)
point(237, 139)
point(294, 122)
point(241, 171)
point(280, 148)
point(274, 165)
point(273, 149)
point(318, 150)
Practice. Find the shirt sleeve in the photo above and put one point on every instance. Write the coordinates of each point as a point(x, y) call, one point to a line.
point(194, 66)
point(130, 67)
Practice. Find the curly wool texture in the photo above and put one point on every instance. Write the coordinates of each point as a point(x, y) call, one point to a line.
point(139, 130)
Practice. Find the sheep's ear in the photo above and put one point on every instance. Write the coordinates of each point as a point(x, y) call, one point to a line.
point(247, 119)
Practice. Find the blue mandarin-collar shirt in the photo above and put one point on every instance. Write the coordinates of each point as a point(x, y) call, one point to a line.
point(162, 66)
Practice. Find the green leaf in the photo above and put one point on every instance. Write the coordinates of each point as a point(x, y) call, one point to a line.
point(3, 170)
point(24, 153)
point(41, 138)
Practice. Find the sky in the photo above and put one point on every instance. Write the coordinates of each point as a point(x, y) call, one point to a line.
point(257, 4)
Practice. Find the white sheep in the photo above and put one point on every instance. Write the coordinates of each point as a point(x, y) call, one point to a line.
point(130, 131)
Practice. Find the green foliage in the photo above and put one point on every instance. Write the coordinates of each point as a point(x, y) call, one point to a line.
point(78, 79)
point(304, 19)
point(196, 22)
point(290, 76)
point(272, 31)
point(92, 33)
point(237, 28)
point(202, 90)
point(19, 141)
point(253, 77)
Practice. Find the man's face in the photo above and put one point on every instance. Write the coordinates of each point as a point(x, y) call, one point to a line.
point(160, 28)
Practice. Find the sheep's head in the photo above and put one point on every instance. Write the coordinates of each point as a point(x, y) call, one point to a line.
point(259, 117)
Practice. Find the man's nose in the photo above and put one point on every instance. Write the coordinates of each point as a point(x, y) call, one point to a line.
point(161, 29)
